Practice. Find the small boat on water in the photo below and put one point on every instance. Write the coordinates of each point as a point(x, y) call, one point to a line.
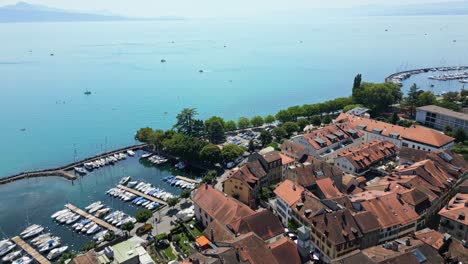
point(38, 238)
point(125, 180)
point(94, 209)
point(23, 260)
point(93, 205)
point(34, 232)
point(49, 245)
point(132, 184)
point(58, 213)
point(130, 153)
point(73, 219)
point(29, 229)
point(80, 170)
point(12, 256)
point(54, 253)
point(102, 212)
point(7, 247)
point(95, 228)
point(146, 155)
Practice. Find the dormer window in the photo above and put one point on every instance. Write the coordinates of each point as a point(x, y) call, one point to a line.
point(377, 131)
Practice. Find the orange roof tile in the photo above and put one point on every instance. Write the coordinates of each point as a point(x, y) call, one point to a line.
point(431, 237)
point(202, 241)
point(285, 160)
point(457, 209)
point(367, 154)
point(285, 251)
point(328, 188)
point(289, 192)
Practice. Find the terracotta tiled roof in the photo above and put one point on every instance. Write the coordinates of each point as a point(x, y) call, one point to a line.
point(389, 210)
point(313, 169)
point(429, 171)
point(367, 222)
point(328, 188)
point(289, 192)
point(329, 135)
point(220, 232)
point(293, 149)
point(243, 174)
point(308, 206)
point(285, 251)
point(418, 134)
point(252, 249)
point(227, 210)
point(457, 209)
point(264, 224)
point(414, 197)
point(272, 156)
point(367, 154)
point(411, 154)
point(86, 258)
point(339, 227)
point(285, 160)
point(431, 237)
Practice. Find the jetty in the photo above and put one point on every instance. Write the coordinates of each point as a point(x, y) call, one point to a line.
point(399, 77)
point(96, 220)
point(30, 251)
point(147, 197)
point(187, 179)
point(67, 170)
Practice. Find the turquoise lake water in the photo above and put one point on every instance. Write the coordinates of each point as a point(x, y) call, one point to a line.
point(250, 67)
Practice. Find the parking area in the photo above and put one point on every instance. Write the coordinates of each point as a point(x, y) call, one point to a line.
point(242, 138)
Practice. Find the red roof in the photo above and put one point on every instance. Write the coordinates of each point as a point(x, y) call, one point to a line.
point(367, 154)
point(329, 135)
point(225, 209)
point(457, 209)
point(289, 192)
point(414, 133)
point(245, 175)
point(285, 160)
point(328, 188)
point(285, 251)
point(202, 241)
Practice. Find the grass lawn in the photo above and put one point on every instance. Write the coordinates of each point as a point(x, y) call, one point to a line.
point(168, 253)
point(184, 243)
point(196, 232)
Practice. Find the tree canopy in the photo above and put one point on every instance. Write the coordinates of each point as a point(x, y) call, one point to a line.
point(211, 153)
point(231, 152)
point(378, 96)
point(257, 121)
point(290, 127)
point(266, 138)
point(279, 133)
point(215, 130)
point(269, 119)
point(243, 123)
point(230, 125)
point(187, 124)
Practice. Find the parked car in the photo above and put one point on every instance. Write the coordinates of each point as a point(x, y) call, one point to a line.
point(144, 229)
point(230, 165)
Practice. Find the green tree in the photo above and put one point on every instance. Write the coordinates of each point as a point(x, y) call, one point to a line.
point(209, 177)
point(405, 123)
point(243, 123)
point(257, 121)
point(143, 215)
point(350, 107)
point(212, 119)
point(171, 202)
point(357, 85)
point(426, 98)
point(186, 122)
point(109, 236)
point(144, 134)
point(274, 145)
point(156, 138)
point(378, 96)
point(327, 120)
point(451, 97)
point(284, 116)
point(279, 133)
point(412, 98)
point(185, 193)
point(448, 130)
point(290, 127)
point(459, 135)
point(265, 194)
point(128, 226)
point(302, 123)
point(394, 119)
point(269, 119)
point(230, 152)
point(215, 131)
point(311, 110)
point(266, 138)
point(230, 125)
point(251, 146)
point(183, 146)
point(211, 153)
point(88, 246)
point(316, 121)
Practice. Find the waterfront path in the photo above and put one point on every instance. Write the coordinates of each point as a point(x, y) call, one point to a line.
point(187, 179)
point(147, 197)
point(67, 170)
point(93, 218)
point(31, 251)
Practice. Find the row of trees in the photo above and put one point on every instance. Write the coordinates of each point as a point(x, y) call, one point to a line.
point(450, 100)
point(189, 148)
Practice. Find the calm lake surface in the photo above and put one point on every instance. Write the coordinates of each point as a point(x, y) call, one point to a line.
point(250, 67)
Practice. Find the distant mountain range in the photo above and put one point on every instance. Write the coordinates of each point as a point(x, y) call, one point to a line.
point(25, 12)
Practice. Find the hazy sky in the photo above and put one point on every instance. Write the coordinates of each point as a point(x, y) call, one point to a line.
point(207, 8)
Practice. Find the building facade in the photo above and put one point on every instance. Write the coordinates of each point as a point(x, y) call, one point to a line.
point(438, 118)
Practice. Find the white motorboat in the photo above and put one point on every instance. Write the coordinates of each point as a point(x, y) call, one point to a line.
point(29, 229)
point(130, 153)
point(58, 213)
point(23, 260)
point(54, 253)
point(125, 180)
point(80, 170)
point(94, 209)
point(65, 219)
point(51, 244)
point(34, 232)
point(92, 205)
point(102, 212)
point(100, 234)
point(73, 219)
point(95, 228)
point(12, 256)
point(42, 240)
point(146, 155)
point(6, 248)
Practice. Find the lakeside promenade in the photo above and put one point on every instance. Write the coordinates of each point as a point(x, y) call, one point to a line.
point(67, 170)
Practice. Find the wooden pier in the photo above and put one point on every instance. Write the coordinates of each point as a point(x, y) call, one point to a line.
point(31, 251)
point(147, 197)
point(187, 179)
point(93, 218)
point(67, 170)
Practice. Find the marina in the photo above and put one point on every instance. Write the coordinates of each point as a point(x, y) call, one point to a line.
point(399, 77)
point(93, 219)
point(30, 250)
point(147, 197)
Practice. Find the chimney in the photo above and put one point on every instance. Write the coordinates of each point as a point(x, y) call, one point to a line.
point(303, 197)
point(294, 187)
point(408, 242)
point(461, 216)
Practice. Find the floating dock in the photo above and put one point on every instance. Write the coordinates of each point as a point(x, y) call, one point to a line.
point(187, 179)
point(147, 197)
point(31, 251)
point(93, 218)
